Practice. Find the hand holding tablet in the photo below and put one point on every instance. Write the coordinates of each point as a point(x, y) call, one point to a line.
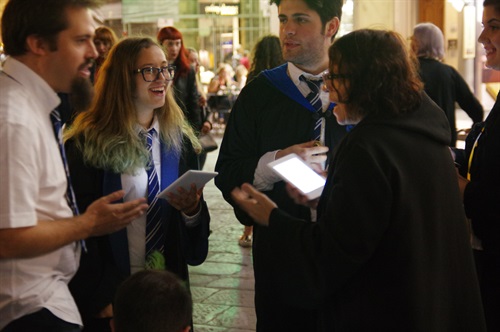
point(199, 178)
point(295, 171)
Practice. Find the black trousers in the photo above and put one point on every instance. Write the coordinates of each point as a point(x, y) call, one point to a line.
point(41, 321)
point(488, 271)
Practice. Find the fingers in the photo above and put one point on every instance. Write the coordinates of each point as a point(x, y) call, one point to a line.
point(112, 197)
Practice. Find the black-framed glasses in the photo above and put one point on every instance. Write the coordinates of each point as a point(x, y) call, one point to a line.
point(329, 77)
point(151, 74)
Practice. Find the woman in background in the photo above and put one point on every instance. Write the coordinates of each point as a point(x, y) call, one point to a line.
point(185, 87)
point(134, 137)
point(104, 39)
point(442, 82)
point(266, 55)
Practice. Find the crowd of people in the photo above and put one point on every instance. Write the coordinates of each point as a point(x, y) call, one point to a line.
point(405, 235)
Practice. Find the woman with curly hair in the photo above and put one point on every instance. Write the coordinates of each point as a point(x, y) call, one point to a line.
point(390, 249)
point(266, 55)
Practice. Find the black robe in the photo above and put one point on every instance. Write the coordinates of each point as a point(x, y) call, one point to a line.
point(265, 119)
point(390, 250)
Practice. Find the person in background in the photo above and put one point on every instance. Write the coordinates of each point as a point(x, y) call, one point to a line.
point(152, 301)
point(202, 101)
point(266, 55)
point(480, 180)
point(50, 50)
point(185, 87)
point(282, 111)
point(104, 39)
point(240, 77)
point(134, 137)
point(195, 62)
point(390, 250)
point(442, 82)
point(223, 79)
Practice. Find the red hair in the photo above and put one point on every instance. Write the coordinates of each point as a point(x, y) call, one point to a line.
point(182, 63)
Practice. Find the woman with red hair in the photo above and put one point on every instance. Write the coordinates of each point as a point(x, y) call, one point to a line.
point(185, 88)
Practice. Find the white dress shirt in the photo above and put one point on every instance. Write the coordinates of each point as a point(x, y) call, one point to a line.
point(33, 187)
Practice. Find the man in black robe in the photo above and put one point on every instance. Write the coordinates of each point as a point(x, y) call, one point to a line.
point(271, 118)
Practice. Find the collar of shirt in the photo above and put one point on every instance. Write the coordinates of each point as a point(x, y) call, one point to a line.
point(294, 73)
point(39, 89)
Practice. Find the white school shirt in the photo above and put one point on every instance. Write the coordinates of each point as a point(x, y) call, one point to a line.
point(32, 187)
point(136, 186)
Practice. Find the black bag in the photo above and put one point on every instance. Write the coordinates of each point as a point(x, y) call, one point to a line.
point(208, 143)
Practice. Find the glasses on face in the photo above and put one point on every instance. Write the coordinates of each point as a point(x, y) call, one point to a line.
point(151, 74)
point(328, 79)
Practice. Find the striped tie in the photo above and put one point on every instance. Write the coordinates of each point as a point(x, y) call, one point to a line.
point(315, 100)
point(154, 229)
point(55, 118)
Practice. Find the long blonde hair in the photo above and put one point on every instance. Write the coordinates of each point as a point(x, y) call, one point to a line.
point(106, 133)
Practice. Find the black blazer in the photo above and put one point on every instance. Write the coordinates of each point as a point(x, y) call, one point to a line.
point(106, 263)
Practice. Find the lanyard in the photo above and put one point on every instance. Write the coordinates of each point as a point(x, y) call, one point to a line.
point(472, 153)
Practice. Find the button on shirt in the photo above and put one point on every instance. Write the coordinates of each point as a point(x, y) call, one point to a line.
point(32, 187)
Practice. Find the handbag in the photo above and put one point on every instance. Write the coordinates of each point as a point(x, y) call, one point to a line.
point(208, 143)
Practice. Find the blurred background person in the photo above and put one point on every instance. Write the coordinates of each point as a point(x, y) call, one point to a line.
point(266, 55)
point(240, 77)
point(442, 82)
point(390, 250)
point(152, 301)
point(480, 180)
point(222, 81)
point(184, 85)
point(135, 137)
point(104, 39)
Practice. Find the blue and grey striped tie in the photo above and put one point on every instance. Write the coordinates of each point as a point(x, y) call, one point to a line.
point(314, 99)
point(154, 229)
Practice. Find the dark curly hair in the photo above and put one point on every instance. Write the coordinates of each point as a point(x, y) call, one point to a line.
point(494, 3)
point(326, 9)
point(381, 73)
point(266, 55)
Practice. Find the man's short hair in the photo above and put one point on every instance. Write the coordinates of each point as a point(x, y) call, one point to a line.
point(326, 9)
point(152, 301)
point(44, 18)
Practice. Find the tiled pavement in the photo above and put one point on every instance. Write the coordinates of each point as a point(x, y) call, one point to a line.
point(223, 286)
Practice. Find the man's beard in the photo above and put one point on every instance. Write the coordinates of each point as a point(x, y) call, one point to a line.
point(82, 93)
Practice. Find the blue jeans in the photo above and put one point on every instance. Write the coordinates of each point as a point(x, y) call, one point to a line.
point(41, 321)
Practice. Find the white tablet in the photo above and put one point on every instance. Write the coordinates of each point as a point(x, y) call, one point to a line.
point(199, 178)
point(293, 169)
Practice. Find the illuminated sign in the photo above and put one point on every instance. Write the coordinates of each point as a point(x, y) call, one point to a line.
point(221, 10)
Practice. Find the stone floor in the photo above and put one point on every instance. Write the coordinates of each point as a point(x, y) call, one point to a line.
point(223, 286)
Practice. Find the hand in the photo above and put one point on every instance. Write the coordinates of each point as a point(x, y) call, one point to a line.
point(202, 101)
point(257, 205)
point(186, 201)
point(205, 129)
point(314, 156)
point(300, 198)
point(106, 217)
point(107, 312)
